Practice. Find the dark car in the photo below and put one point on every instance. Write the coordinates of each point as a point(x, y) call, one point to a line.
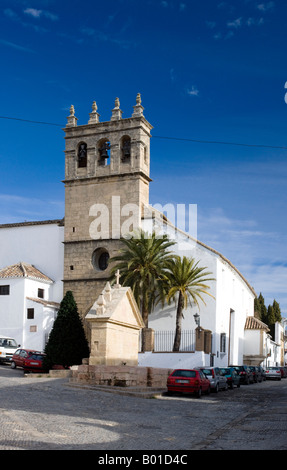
point(262, 372)
point(188, 381)
point(29, 360)
point(232, 376)
point(283, 372)
point(245, 374)
point(256, 374)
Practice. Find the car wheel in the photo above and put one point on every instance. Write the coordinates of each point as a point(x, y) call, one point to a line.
point(208, 391)
point(199, 393)
point(216, 388)
point(238, 385)
point(13, 365)
point(232, 386)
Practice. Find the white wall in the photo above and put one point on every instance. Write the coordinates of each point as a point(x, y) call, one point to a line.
point(12, 309)
point(230, 293)
point(40, 245)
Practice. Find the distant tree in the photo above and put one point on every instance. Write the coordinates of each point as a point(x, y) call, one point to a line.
point(260, 310)
point(67, 344)
point(268, 315)
point(277, 311)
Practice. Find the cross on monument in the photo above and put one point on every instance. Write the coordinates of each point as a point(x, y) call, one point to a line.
point(118, 278)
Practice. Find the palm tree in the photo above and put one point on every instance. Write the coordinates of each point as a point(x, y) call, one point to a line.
point(141, 263)
point(186, 281)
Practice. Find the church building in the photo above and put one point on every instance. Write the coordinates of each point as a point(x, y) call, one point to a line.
point(107, 177)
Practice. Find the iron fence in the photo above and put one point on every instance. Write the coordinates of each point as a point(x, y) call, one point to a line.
point(164, 339)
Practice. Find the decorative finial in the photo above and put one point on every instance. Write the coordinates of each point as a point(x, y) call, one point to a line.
point(72, 120)
point(94, 115)
point(107, 292)
point(101, 305)
point(138, 109)
point(116, 112)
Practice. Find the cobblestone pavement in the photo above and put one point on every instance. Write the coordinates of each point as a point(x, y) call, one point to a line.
point(42, 413)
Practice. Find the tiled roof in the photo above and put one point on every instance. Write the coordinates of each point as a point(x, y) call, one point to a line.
point(59, 222)
point(253, 323)
point(24, 270)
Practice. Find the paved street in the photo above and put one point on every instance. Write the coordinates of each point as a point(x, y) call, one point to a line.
point(47, 414)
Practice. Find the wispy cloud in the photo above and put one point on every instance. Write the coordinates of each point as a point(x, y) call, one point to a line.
point(193, 92)
point(265, 6)
point(14, 208)
point(16, 46)
point(235, 23)
point(41, 13)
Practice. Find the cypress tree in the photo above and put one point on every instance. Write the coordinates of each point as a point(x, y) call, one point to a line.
point(67, 344)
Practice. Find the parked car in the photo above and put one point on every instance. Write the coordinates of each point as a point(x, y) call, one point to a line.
point(188, 381)
point(283, 372)
point(262, 372)
point(231, 375)
point(273, 373)
point(217, 380)
point(256, 374)
point(28, 359)
point(245, 374)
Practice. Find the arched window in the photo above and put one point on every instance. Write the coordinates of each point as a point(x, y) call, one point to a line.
point(100, 259)
point(126, 149)
point(104, 152)
point(82, 155)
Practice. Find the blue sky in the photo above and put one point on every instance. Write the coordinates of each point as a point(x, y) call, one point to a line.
point(209, 71)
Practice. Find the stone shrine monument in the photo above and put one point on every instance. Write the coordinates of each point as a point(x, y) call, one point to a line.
point(115, 322)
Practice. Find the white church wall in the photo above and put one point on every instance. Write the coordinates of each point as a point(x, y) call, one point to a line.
point(224, 314)
point(40, 244)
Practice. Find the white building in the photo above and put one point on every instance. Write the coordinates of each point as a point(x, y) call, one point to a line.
point(224, 313)
point(31, 272)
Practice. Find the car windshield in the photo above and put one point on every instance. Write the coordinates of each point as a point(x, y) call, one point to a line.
point(207, 371)
point(225, 371)
point(273, 368)
point(184, 373)
point(37, 357)
point(8, 343)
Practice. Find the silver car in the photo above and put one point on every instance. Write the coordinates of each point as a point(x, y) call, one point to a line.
point(217, 380)
point(273, 373)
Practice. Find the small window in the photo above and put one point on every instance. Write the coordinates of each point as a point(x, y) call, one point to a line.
point(223, 342)
point(30, 313)
point(82, 155)
point(4, 290)
point(126, 149)
point(41, 293)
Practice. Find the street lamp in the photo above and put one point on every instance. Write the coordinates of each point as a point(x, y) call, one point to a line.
point(197, 319)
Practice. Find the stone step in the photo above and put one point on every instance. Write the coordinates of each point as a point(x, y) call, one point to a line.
point(143, 392)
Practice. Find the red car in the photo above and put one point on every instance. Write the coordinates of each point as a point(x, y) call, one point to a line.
point(28, 359)
point(188, 381)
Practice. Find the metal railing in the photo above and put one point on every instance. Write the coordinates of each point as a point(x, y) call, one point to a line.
point(163, 340)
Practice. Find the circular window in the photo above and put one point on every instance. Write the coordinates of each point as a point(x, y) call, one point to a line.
point(100, 259)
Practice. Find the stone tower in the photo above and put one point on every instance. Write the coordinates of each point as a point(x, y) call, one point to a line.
point(107, 166)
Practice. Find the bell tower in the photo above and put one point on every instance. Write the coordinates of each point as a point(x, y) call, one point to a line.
point(107, 167)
